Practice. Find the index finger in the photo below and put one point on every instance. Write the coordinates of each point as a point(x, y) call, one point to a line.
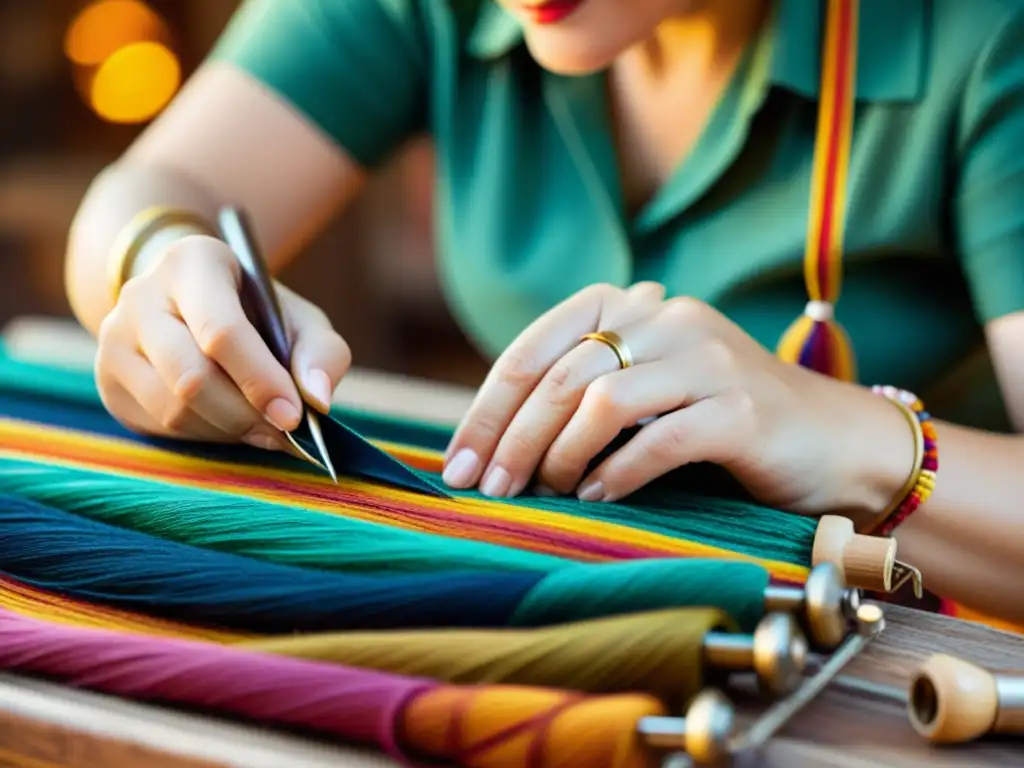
point(212, 310)
point(512, 378)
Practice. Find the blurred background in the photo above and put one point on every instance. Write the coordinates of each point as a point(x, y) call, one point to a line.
point(79, 79)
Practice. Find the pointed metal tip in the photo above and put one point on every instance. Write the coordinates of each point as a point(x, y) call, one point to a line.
point(318, 437)
point(327, 464)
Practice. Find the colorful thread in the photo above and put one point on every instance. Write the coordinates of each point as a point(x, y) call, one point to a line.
point(253, 503)
point(74, 556)
point(409, 718)
point(658, 652)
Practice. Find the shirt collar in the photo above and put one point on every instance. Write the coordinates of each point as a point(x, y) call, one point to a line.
point(495, 33)
point(891, 45)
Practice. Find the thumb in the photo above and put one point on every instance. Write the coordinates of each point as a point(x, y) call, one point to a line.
point(320, 356)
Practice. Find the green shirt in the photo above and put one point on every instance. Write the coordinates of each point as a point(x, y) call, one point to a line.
point(529, 208)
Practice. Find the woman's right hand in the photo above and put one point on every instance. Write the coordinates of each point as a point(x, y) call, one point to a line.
point(179, 358)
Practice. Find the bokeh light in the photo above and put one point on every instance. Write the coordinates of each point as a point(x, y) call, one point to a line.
point(125, 65)
point(103, 27)
point(135, 83)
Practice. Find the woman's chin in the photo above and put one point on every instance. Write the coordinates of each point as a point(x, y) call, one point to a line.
point(562, 57)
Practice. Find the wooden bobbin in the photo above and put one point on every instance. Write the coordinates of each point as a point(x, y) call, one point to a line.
point(952, 701)
point(864, 562)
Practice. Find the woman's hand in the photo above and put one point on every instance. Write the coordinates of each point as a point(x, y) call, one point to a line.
point(179, 358)
point(551, 404)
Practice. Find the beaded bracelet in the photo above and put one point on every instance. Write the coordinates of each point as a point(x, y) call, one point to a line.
point(921, 481)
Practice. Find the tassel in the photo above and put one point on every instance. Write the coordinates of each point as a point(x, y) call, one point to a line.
point(815, 340)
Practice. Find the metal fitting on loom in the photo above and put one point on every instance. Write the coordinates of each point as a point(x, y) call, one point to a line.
point(707, 734)
point(825, 607)
point(703, 734)
point(952, 701)
point(864, 562)
point(776, 652)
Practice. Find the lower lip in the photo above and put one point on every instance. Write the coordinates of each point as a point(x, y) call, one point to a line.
point(552, 12)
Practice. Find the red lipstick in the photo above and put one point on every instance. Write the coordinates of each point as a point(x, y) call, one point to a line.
point(551, 12)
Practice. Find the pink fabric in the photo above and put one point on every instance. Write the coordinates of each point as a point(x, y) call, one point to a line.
point(358, 705)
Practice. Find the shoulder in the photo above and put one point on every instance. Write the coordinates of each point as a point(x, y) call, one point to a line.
point(361, 71)
point(963, 33)
point(448, 21)
point(975, 14)
point(452, 24)
point(953, 49)
point(978, 55)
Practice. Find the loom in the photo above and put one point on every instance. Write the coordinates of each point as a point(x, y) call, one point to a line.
point(707, 732)
point(103, 495)
point(776, 652)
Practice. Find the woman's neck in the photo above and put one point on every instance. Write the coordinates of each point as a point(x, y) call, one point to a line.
point(699, 42)
point(664, 90)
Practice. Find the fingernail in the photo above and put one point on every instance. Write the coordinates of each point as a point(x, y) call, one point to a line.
point(283, 415)
point(543, 490)
point(318, 385)
point(262, 441)
point(461, 471)
point(497, 482)
point(592, 491)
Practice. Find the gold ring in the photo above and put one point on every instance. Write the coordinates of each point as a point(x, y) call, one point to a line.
point(614, 342)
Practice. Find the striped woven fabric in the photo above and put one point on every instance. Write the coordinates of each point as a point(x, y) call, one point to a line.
point(116, 558)
point(54, 418)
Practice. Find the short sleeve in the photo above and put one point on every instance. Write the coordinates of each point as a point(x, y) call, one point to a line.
point(989, 199)
point(356, 68)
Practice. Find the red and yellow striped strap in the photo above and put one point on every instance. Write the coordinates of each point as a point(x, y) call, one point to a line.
point(824, 250)
point(815, 340)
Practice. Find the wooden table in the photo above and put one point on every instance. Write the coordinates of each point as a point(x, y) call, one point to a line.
point(858, 723)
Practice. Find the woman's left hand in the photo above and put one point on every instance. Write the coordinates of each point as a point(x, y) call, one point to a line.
point(552, 403)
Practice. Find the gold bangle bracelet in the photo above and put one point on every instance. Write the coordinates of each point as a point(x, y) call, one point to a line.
point(915, 472)
point(137, 232)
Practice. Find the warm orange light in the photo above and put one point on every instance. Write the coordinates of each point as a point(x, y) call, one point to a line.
point(135, 83)
point(105, 26)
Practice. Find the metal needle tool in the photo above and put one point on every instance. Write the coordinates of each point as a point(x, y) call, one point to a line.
point(238, 234)
point(870, 622)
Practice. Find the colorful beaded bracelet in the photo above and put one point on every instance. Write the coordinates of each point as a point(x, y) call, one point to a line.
point(921, 481)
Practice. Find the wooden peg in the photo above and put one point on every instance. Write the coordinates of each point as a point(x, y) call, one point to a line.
point(864, 562)
point(952, 701)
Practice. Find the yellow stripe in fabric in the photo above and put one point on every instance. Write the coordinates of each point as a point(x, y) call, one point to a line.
point(47, 606)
